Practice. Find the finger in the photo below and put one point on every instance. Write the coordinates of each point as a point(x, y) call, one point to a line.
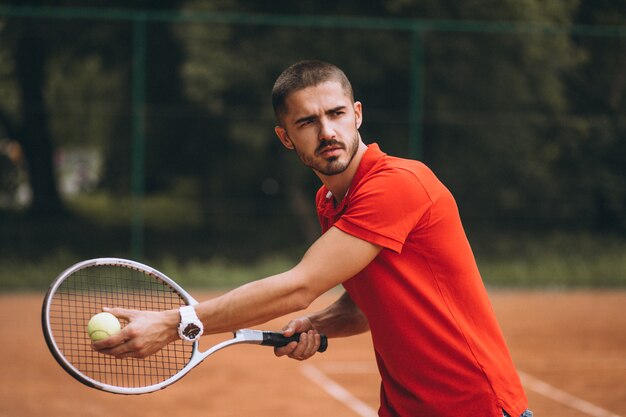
point(314, 340)
point(120, 313)
point(291, 328)
point(285, 350)
point(300, 352)
point(120, 351)
point(111, 341)
point(122, 345)
point(311, 345)
point(302, 324)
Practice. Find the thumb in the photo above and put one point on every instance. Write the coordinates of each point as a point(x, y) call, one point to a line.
point(302, 324)
point(290, 329)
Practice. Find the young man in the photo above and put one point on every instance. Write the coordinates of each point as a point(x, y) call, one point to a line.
point(393, 238)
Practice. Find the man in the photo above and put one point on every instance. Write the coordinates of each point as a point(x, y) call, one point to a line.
point(393, 238)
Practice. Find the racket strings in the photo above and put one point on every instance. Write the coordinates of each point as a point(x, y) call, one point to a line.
point(83, 294)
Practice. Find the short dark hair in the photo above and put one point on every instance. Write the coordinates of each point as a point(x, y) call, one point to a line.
point(302, 75)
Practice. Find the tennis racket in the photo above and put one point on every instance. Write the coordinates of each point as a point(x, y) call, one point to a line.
point(82, 290)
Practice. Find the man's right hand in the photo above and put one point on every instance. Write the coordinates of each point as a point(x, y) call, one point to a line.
point(307, 345)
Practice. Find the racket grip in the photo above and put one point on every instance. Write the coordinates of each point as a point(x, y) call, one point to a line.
point(277, 340)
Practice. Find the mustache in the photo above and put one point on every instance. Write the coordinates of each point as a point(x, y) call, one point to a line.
point(328, 143)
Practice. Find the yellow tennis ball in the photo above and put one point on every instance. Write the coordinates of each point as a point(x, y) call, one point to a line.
point(103, 325)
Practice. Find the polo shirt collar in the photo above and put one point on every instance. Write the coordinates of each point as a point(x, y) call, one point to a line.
point(371, 156)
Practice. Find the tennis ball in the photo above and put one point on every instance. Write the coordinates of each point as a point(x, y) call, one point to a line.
point(103, 325)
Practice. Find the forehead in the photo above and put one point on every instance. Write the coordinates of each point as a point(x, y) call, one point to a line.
point(320, 97)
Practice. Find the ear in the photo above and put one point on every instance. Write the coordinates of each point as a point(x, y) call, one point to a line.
point(284, 137)
point(358, 113)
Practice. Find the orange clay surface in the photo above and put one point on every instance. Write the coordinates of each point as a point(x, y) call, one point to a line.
point(569, 346)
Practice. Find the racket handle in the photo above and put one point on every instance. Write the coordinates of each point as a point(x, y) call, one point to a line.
point(277, 340)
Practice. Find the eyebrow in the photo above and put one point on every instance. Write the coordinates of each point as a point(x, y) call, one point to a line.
point(307, 118)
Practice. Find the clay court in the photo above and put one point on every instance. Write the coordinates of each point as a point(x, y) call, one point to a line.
point(570, 348)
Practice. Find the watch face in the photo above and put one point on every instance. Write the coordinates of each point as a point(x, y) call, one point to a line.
point(191, 331)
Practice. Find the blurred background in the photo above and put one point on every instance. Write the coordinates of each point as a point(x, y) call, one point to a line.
point(144, 129)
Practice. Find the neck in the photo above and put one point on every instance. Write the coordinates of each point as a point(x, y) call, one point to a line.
point(340, 183)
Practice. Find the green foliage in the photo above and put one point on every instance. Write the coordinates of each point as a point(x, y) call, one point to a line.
point(34, 273)
point(85, 80)
point(219, 273)
point(562, 260)
point(526, 128)
point(160, 212)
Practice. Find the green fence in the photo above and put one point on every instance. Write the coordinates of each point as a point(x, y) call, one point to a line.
point(517, 118)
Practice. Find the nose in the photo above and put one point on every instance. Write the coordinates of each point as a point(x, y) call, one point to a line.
point(327, 131)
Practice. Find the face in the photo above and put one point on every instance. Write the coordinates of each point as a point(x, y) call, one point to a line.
point(321, 124)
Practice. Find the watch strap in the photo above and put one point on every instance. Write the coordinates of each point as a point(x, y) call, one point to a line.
point(188, 314)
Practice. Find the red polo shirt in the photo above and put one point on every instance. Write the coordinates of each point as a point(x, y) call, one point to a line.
point(438, 345)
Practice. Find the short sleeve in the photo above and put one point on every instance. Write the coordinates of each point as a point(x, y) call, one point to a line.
point(386, 208)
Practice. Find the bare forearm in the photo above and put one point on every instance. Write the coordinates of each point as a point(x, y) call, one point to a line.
point(254, 303)
point(340, 319)
point(249, 305)
point(318, 271)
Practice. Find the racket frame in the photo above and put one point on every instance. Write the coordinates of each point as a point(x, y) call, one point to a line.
point(75, 372)
point(243, 336)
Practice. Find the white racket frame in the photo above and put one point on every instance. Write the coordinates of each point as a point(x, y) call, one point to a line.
point(243, 336)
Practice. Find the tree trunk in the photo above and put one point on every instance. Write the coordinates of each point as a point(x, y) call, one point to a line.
point(34, 133)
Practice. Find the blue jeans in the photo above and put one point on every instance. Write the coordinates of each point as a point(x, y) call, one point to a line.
point(527, 413)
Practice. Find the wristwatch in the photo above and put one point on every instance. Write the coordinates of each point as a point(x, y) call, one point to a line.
point(190, 327)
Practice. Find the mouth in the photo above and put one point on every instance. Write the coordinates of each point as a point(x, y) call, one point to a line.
point(329, 150)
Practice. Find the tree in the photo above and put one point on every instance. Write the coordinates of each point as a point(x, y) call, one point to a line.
point(593, 155)
point(31, 129)
point(53, 59)
point(493, 102)
point(512, 121)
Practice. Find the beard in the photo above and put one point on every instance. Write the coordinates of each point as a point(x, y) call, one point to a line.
point(333, 165)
